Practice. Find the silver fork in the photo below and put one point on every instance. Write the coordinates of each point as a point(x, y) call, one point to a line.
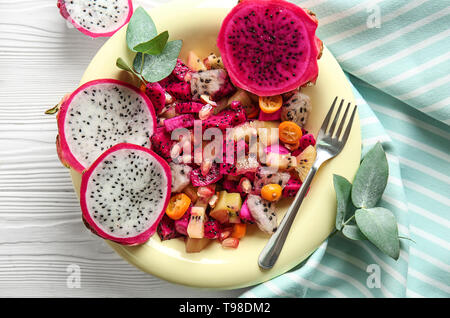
point(329, 144)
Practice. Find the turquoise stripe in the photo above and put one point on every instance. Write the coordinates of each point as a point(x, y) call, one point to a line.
point(417, 143)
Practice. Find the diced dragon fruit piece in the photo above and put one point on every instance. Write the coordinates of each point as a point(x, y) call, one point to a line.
point(180, 90)
point(182, 121)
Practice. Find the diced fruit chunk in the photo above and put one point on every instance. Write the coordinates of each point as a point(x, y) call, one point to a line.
point(239, 230)
point(178, 205)
point(227, 207)
point(195, 245)
point(305, 161)
point(196, 223)
point(230, 242)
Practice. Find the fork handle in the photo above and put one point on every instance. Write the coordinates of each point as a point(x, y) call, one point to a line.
point(271, 251)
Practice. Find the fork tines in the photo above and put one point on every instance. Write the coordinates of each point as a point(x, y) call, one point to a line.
point(331, 131)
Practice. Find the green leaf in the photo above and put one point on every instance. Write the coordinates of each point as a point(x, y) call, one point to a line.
point(345, 207)
point(140, 29)
point(155, 46)
point(53, 110)
point(120, 63)
point(352, 232)
point(380, 227)
point(371, 178)
point(157, 67)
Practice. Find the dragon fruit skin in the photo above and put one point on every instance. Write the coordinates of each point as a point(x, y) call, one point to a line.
point(291, 188)
point(182, 121)
point(157, 95)
point(246, 65)
point(126, 159)
point(65, 10)
point(180, 90)
point(72, 144)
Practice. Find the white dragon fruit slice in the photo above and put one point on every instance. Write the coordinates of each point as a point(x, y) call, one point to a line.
point(125, 193)
point(297, 109)
point(99, 115)
point(180, 176)
point(263, 212)
point(100, 18)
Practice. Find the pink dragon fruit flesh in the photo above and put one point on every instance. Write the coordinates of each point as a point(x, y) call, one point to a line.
point(125, 193)
point(100, 18)
point(212, 229)
point(181, 71)
point(166, 229)
point(199, 180)
point(180, 90)
point(188, 108)
point(162, 143)
point(292, 187)
point(94, 118)
point(182, 121)
point(245, 215)
point(181, 224)
point(269, 47)
point(157, 95)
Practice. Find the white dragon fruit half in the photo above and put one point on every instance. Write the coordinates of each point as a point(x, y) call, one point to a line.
point(99, 115)
point(125, 193)
point(98, 18)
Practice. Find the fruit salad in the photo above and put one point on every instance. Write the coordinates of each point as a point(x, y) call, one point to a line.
point(208, 151)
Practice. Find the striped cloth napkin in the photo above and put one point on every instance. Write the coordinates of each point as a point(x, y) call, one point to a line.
point(396, 54)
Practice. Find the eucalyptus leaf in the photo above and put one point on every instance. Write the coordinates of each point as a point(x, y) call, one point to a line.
point(155, 46)
point(345, 207)
point(141, 28)
point(120, 63)
point(352, 232)
point(371, 178)
point(157, 67)
point(380, 227)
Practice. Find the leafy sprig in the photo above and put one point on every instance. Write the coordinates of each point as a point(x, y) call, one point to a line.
point(156, 56)
point(357, 216)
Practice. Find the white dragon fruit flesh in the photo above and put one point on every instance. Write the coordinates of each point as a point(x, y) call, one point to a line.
point(180, 176)
point(99, 115)
point(99, 18)
point(125, 193)
point(263, 212)
point(296, 109)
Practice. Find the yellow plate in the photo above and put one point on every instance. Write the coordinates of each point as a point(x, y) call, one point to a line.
point(197, 23)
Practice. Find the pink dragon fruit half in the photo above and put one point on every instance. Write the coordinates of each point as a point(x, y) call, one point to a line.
point(269, 47)
point(93, 120)
point(100, 18)
point(124, 194)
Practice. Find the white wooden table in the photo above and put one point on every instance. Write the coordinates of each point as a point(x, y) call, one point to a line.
point(41, 232)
